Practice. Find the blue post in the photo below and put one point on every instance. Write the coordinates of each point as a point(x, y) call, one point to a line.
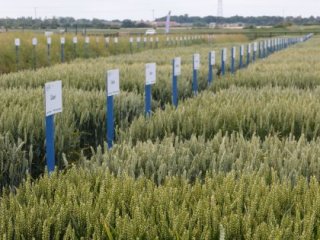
point(148, 100)
point(17, 57)
point(174, 85)
point(195, 82)
point(48, 48)
point(210, 73)
point(223, 71)
point(240, 60)
point(62, 53)
point(110, 122)
point(248, 55)
point(50, 153)
point(232, 60)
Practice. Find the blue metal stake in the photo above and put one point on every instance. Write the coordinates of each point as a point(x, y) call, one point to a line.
point(240, 60)
point(110, 122)
point(210, 73)
point(223, 71)
point(195, 83)
point(50, 143)
point(248, 56)
point(17, 57)
point(174, 87)
point(148, 100)
point(232, 60)
point(62, 53)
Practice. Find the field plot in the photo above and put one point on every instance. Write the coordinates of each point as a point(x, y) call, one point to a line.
point(238, 161)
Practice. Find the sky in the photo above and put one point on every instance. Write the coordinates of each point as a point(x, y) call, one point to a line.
point(147, 9)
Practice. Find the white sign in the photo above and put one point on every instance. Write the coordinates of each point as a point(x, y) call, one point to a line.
point(113, 82)
point(34, 41)
point(62, 40)
point(150, 73)
point(17, 42)
point(255, 46)
point(49, 40)
point(75, 40)
point(116, 40)
point(107, 40)
point(151, 39)
point(145, 39)
point(53, 96)
point(138, 39)
point(234, 52)
point(87, 40)
point(177, 66)
point(249, 48)
point(224, 54)
point(196, 61)
point(213, 58)
point(131, 40)
point(241, 50)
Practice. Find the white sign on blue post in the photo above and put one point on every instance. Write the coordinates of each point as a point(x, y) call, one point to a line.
point(62, 40)
point(87, 40)
point(53, 105)
point(75, 40)
point(113, 88)
point(49, 40)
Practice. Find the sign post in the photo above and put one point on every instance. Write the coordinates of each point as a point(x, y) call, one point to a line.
point(53, 103)
point(48, 50)
point(150, 80)
point(241, 56)
point(34, 43)
point(62, 41)
point(248, 54)
point(223, 61)
point(131, 42)
point(75, 41)
point(112, 89)
point(212, 62)
point(255, 48)
point(233, 58)
point(86, 46)
point(196, 67)
point(17, 45)
point(176, 67)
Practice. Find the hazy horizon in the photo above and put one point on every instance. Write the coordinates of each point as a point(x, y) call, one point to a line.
point(147, 10)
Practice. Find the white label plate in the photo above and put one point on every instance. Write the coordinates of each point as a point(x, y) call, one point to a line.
point(113, 87)
point(87, 40)
point(75, 40)
point(224, 54)
point(116, 40)
point(62, 40)
point(213, 58)
point(196, 61)
point(150, 73)
point(53, 97)
point(177, 66)
point(34, 41)
point(49, 40)
point(234, 52)
point(17, 42)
